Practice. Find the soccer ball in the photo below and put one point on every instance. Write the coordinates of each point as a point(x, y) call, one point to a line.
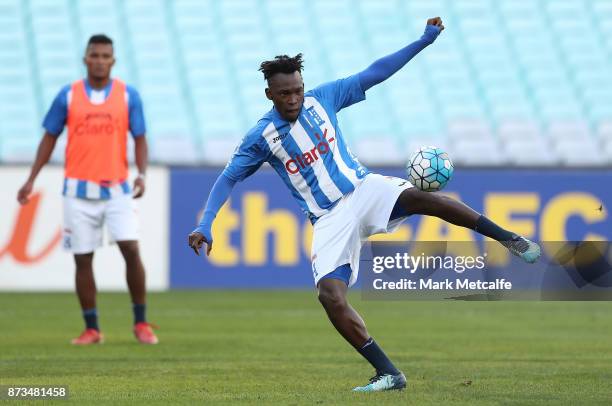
point(429, 169)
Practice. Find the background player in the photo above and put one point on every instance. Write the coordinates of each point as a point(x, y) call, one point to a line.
point(301, 140)
point(98, 112)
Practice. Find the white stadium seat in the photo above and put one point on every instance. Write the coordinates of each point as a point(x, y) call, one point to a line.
point(531, 152)
point(580, 152)
point(379, 150)
point(568, 130)
point(217, 151)
point(482, 152)
point(512, 130)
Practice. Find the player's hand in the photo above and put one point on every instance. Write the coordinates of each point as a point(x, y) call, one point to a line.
point(433, 28)
point(139, 187)
point(24, 193)
point(436, 21)
point(196, 240)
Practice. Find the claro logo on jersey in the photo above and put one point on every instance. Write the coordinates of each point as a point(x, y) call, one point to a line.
point(301, 161)
point(97, 124)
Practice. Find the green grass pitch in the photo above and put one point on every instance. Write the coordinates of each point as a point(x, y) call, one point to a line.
point(269, 347)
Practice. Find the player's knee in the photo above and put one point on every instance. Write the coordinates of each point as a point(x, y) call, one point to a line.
point(130, 250)
point(332, 298)
point(83, 262)
point(416, 201)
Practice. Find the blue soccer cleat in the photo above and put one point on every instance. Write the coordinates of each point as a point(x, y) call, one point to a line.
point(529, 251)
point(384, 382)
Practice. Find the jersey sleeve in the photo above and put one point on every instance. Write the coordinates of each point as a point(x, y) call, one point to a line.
point(135, 112)
point(247, 158)
point(340, 93)
point(55, 119)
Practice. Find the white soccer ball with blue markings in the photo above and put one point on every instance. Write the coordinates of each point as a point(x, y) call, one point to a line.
point(429, 169)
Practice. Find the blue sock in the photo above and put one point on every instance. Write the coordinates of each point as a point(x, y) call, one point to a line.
point(139, 313)
point(377, 357)
point(488, 228)
point(91, 318)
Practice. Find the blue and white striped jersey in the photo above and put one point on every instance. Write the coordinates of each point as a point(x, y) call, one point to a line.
point(310, 154)
point(91, 190)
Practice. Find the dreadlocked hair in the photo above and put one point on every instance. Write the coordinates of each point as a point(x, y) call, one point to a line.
point(281, 64)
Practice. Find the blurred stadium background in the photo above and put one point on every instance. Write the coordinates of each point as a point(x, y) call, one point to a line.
point(518, 91)
point(511, 82)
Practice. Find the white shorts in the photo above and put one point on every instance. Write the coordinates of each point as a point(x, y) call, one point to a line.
point(338, 235)
point(84, 218)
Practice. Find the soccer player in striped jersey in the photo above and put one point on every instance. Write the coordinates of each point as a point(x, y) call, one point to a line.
point(98, 112)
point(300, 138)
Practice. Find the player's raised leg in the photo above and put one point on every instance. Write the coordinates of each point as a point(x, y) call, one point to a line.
point(332, 294)
point(86, 292)
point(136, 281)
point(414, 201)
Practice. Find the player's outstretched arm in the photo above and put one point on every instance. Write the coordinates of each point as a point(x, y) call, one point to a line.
point(218, 196)
point(247, 158)
point(45, 149)
point(386, 66)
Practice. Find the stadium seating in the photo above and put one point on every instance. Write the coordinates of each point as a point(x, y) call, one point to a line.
point(519, 83)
